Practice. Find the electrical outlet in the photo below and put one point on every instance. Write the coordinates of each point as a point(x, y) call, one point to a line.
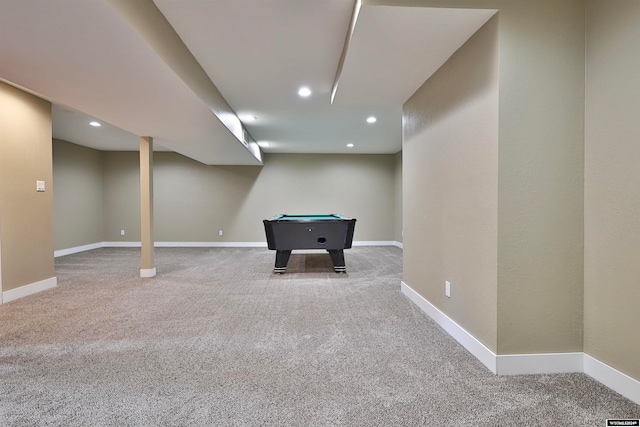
point(219, 232)
point(122, 232)
point(447, 288)
point(40, 186)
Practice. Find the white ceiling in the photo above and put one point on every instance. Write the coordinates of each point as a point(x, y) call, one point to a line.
point(91, 60)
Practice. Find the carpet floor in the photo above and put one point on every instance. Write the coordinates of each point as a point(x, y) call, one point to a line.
point(217, 339)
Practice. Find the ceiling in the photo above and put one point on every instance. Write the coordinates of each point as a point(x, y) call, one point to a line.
point(209, 79)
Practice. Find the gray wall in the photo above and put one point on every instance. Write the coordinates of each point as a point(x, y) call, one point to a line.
point(193, 201)
point(612, 185)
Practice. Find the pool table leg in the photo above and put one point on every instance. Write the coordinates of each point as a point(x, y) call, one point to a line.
point(282, 258)
point(337, 256)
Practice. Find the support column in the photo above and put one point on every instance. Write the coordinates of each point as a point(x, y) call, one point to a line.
point(148, 268)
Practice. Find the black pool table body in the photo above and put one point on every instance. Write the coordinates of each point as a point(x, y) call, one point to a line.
point(331, 232)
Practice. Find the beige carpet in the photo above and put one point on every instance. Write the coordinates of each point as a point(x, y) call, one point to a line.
point(218, 339)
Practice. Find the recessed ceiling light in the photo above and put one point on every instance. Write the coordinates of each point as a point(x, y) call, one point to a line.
point(95, 124)
point(247, 117)
point(371, 119)
point(349, 145)
point(304, 92)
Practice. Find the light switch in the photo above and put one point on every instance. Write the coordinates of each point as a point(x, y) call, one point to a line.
point(40, 186)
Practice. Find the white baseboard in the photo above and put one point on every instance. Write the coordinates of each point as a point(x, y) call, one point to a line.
point(468, 341)
point(612, 378)
point(74, 250)
point(541, 363)
point(29, 289)
point(97, 245)
point(373, 243)
point(210, 244)
point(148, 272)
point(398, 244)
point(521, 364)
point(121, 244)
point(69, 251)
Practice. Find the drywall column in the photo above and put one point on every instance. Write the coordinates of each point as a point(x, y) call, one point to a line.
point(450, 186)
point(148, 268)
point(612, 200)
point(26, 196)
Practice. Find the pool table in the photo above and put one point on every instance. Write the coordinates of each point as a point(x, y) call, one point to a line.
point(326, 231)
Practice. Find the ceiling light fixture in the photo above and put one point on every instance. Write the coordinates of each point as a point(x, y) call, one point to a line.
point(247, 117)
point(95, 124)
point(371, 119)
point(304, 92)
point(349, 145)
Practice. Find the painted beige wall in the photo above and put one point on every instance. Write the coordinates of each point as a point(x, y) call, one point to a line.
point(540, 173)
point(121, 196)
point(541, 186)
point(358, 186)
point(77, 185)
point(612, 185)
point(450, 204)
point(26, 216)
point(193, 201)
point(397, 230)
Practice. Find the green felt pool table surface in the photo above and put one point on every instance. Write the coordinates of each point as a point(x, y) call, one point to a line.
point(310, 217)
